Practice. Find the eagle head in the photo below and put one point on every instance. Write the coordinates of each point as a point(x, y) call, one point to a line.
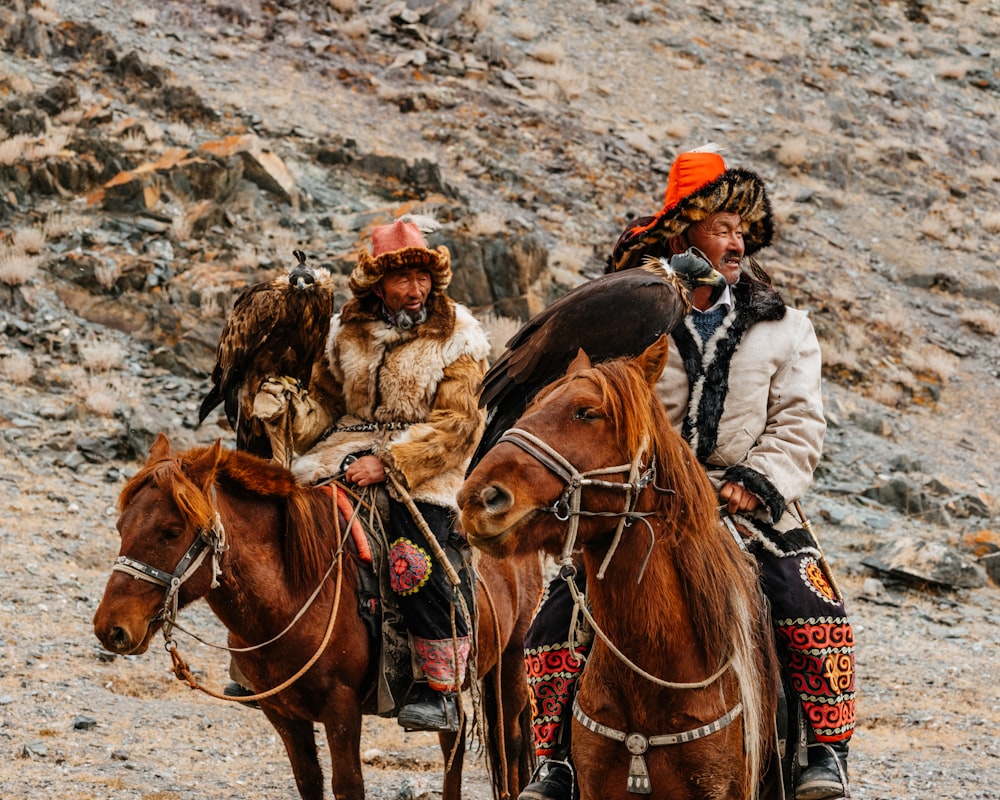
point(696, 270)
point(301, 276)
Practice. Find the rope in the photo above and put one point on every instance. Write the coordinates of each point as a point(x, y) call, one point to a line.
point(183, 672)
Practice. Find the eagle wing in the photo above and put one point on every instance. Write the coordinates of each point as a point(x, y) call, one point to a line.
point(612, 316)
point(276, 329)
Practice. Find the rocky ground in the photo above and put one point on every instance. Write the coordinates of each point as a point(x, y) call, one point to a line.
point(542, 127)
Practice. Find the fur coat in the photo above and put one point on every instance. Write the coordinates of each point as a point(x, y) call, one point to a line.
point(749, 400)
point(418, 386)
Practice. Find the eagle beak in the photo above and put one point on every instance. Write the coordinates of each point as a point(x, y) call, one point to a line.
point(715, 279)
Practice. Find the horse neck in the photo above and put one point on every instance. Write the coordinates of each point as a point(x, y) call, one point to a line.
point(647, 616)
point(253, 592)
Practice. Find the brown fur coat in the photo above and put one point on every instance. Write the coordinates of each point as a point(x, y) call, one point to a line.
point(426, 378)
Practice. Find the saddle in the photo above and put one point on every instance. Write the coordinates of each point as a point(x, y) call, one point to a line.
point(378, 604)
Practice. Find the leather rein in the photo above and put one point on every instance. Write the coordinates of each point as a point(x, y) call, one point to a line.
point(568, 508)
point(212, 541)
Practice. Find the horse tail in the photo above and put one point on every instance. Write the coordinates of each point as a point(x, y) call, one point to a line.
point(495, 743)
point(754, 664)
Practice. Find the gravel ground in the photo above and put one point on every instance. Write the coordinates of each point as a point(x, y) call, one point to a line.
point(77, 723)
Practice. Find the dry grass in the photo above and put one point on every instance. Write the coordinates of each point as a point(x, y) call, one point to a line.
point(487, 223)
point(134, 141)
point(881, 39)
point(102, 397)
point(144, 17)
point(101, 355)
point(952, 69)
point(17, 368)
point(107, 272)
point(549, 53)
point(30, 240)
point(570, 257)
point(499, 329)
point(677, 127)
point(983, 321)
point(356, 28)
point(479, 14)
point(793, 152)
point(180, 133)
point(990, 222)
point(525, 30)
point(557, 82)
point(17, 268)
point(931, 360)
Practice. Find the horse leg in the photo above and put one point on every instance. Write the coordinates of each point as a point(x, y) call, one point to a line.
point(342, 722)
point(515, 705)
point(453, 750)
point(300, 744)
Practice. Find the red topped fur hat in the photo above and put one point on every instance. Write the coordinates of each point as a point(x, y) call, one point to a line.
point(400, 245)
point(699, 184)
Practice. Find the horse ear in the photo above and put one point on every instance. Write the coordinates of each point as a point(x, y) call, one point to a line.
point(654, 359)
point(160, 449)
point(582, 361)
point(203, 468)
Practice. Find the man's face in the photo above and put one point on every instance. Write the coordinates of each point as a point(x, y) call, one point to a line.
point(720, 237)
point(405, 289)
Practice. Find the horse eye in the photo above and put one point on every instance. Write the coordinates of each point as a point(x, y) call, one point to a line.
point(170, 533)
point(586, 414)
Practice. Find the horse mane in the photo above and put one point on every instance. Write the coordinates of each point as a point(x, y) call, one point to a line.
point(717, 578)
point(308, 534)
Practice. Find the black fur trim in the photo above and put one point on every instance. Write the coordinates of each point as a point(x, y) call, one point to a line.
point(754, 303)
point(755, 482)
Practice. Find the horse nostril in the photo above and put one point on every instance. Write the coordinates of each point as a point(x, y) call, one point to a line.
point(496, 500)
point(119, 639)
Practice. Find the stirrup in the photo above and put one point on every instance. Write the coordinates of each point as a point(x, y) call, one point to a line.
point(825, 778)
point(430, 711)
point(558, 784)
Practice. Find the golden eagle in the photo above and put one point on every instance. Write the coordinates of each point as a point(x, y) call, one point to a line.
point(612, 316)
point(276, 330)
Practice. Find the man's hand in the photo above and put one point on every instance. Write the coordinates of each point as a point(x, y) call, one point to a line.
point(737, 498)
point(365, 471)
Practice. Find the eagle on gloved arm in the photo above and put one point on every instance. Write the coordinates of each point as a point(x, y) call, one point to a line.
point(276, 331)
point(611, 316)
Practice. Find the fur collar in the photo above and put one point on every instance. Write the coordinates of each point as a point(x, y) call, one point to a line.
point(707, 366)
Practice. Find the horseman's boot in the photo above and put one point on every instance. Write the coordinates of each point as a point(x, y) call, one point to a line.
point(429, 710)
point(554, 778)
point(433, 706)
point(239, 686)
point(826, 776)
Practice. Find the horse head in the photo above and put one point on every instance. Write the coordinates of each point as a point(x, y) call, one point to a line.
point(169, 530)
point(580, 454)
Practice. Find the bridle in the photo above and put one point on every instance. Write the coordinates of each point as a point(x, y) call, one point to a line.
point(212, 540)
point(567, 508)
point(209, 541)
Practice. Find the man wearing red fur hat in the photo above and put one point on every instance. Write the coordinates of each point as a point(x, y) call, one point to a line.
point(403, 363)
point(745, 392)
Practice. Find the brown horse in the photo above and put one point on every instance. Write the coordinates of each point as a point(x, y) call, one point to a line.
point(679, 693)
point(243, 534)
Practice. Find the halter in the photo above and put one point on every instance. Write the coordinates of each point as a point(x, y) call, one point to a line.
point(567, 505)
point(568, 508)
point(213, 537)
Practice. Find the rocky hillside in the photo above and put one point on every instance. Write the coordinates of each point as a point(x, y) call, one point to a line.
point(157, 158)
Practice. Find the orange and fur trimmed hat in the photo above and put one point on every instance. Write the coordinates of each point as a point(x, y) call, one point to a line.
point(699, 184)
point(398, 246)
